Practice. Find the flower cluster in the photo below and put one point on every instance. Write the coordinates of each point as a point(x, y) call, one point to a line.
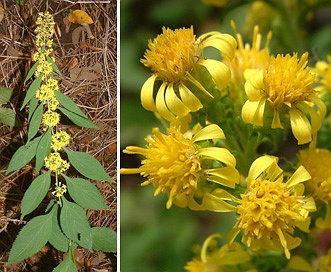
point(54, 162)
point(44, 69)
point(225, 120)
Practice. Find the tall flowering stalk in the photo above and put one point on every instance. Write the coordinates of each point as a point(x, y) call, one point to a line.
point(64, 224)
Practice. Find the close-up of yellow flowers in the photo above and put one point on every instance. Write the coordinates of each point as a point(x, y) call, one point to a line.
point(226, 160)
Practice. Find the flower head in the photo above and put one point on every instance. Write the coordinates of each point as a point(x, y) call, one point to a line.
point(60, 190)
point(175, 164)
point(214, 258)
point(270, 209)
point(59, 140)
point(286, 86)
point(323, 70)
point(248, 56)
point(174, 57)
point(317, 162)
point(51, 118)
point(55, 163)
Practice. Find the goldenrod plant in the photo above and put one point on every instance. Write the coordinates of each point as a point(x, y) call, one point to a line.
point(64, 225)
point(226, 118)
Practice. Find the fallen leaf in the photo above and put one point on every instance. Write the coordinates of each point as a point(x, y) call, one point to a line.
point(89, 73)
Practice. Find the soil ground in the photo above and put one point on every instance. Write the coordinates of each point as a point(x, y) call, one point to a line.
point(89, 77)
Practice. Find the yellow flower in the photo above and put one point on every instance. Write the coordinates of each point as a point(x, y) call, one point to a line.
point(323, 70)
point(60, 190)
point(260, 13)
point(55, 163)
point(50, 118)
point(214, 258)
point(286, 86)
point(174, 58)
point(59, 140)
point(270, 209)
point(44, 68)
point(248, 56)
point(317, 162)
point(175, 163)
point(325, 262)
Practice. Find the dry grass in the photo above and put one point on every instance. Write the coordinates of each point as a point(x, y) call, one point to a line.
point(89, 77)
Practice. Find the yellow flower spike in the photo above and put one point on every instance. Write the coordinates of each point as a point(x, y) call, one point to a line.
point(215, 258)
point(81, 17)
point(173, 164)
point(287, 87)
point(270, 209)
point(174, 56)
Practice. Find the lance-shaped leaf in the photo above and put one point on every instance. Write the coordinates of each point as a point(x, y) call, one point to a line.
point(35, 85)
point(23, 155)
point(104, 239)
point(74, 224)
point(35, 122)
point(58, 239)
point(85, 194)
point(31, 71)
point(32, 237)
point(43, 149)
point(35, 193)
point(77, 119)
point(87, 165)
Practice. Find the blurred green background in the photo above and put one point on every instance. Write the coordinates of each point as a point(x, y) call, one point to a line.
point(153, 238)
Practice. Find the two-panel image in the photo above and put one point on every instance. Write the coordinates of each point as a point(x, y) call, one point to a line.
point(147, 136)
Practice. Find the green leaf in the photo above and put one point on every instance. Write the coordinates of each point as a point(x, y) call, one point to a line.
point(58, 239)
point(32, 106)
point(5, 95)
point(43, 149)
point(35, 194)
point(35, 121)
point(66, 266)
point(69, 104)
point(104, 239)
point(74, 224)
point(78, 120)
point(23, 155)
point(7, 116)
point(85, 194)
point(32, 237)
point(35, 85)
point(87, 165)
point(54, 66)
point(31, 71)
